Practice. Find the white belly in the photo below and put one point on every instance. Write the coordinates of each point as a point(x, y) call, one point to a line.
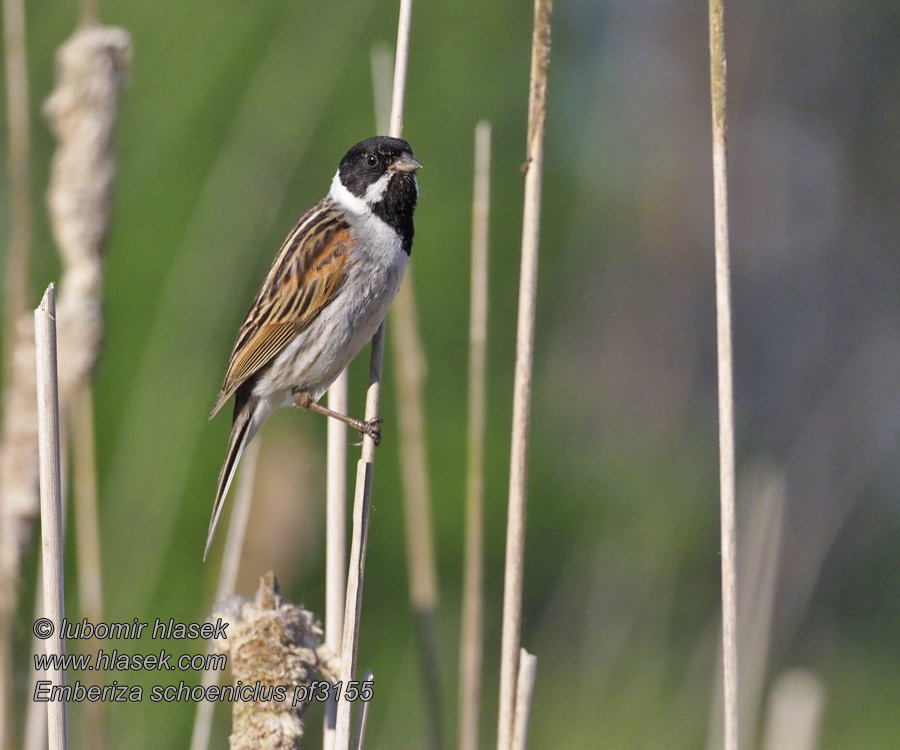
point(311, 362)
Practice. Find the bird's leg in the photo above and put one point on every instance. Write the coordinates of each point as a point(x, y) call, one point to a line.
point(369, 427)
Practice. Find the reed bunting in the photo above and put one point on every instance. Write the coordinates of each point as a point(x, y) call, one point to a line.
point(328, 290)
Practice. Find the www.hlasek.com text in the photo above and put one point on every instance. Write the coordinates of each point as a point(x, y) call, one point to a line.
point(114, 661)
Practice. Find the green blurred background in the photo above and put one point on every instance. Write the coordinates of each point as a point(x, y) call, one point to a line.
point(232, 124)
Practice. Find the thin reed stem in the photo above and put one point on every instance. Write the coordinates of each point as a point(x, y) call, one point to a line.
point(518, 473)
point(725, 377)
point(14, 451)
point(363, 715)
point(87, 526)
point(524, 694)
point(87, 534)
point(382, 80)
point(240, 518)
point(34, 735)
point(401, 66)
point(336, 512)
point(471, 625)
point(362, 501)
point(363, 494)
point(51, 500)
point(18, 124)
point(228, 573)
point(409, 366)
point(81, 112)
point(794, 715)
point(90, 12)
point(335, 536)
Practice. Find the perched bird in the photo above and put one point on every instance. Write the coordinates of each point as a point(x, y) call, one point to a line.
point(328, 290)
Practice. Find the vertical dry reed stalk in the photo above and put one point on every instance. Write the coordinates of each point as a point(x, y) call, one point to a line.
point(336, 510)
point(363, 715)
point(14, 314)
point(51, 501)
point(82, 112)
point(472, 617)
point(240, 517)
point(518, 472)
point(335, 536)
point(18, 498)
point(228, 572)
point(725, 376)
point(84, 461)
point(336, 503)
point(382, 58)
point(34, 734)
point(759, 560)
point(362, 500)
point(87, 547)
point(762, 497)
point(410, 368)
point(89, 12)
point(363, 494)
point(524, 695)
point(19, 148)
point(794, 715)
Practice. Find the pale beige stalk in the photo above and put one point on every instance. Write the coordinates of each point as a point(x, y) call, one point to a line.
point(761, 494)
point(87, 547)
point(518, 472)
point(336, 512)
point(360, 740)
point(794, 716)
point(362, 501)
point(18, 123)
point(363, 494)
point(335, 536)
point(15, 316)
point(382, 58)
point(725, 378)
point(524, 695)
point(410, 368)
point(82, 111)
point(472, 617)
point(51, 502)
point(228, 573)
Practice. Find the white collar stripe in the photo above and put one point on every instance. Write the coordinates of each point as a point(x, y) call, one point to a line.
point(344, 198)
point(375, 191)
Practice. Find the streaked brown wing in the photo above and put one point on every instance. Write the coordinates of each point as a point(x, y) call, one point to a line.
point(304, 277)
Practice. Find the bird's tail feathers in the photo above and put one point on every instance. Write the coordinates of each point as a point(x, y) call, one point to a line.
point(220, 402)
point(236, 444)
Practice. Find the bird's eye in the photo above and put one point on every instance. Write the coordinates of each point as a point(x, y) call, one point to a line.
point(371, 160)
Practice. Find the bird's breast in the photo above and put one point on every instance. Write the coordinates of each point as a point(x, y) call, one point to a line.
point(317, 355)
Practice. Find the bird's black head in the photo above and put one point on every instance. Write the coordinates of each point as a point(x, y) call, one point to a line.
point(381, 173)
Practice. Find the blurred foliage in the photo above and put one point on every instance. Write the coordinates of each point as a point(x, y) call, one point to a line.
point(232, 124)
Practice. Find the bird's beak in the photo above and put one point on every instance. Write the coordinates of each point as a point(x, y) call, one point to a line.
point(406, 163)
